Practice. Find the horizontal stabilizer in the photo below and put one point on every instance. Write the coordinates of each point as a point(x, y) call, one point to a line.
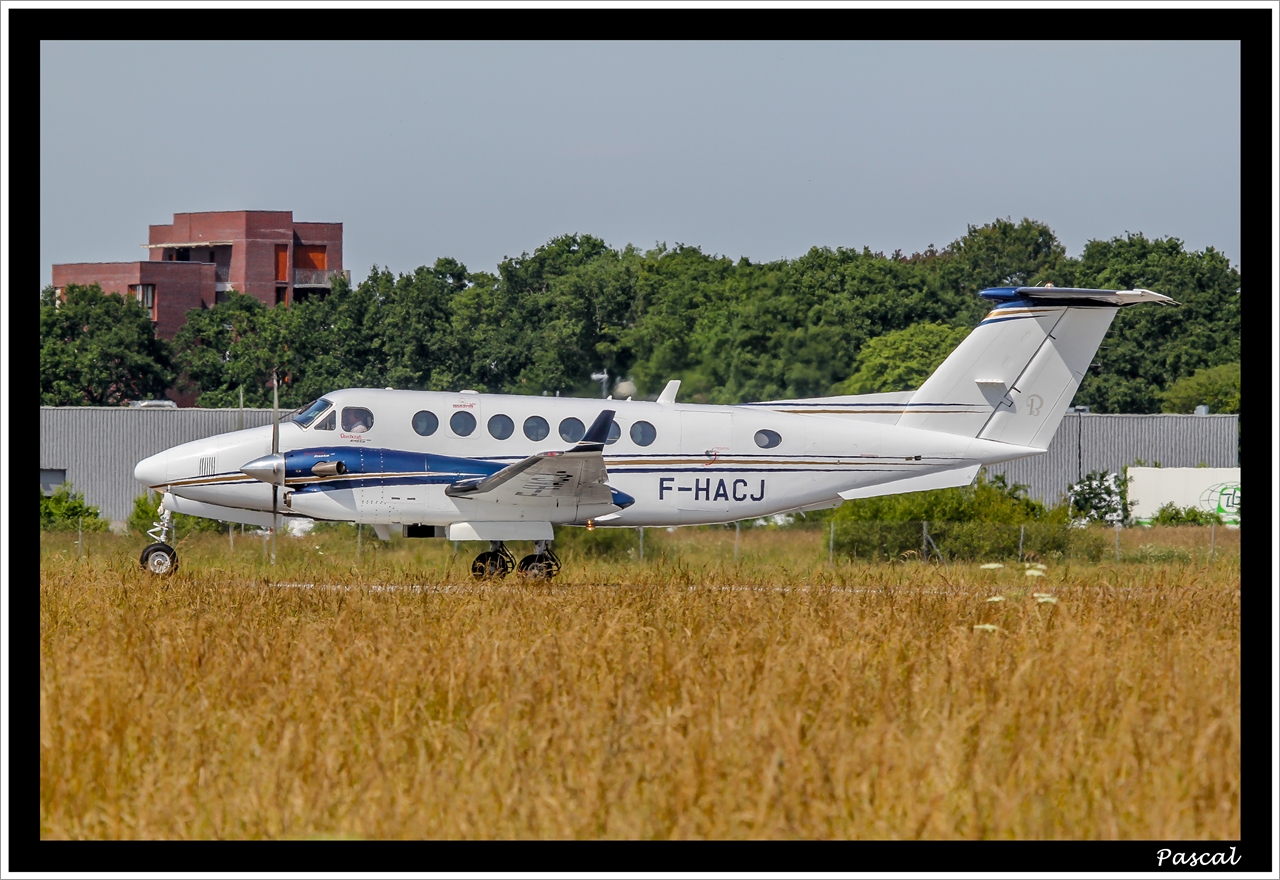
point(940, 480)
point(1113, 297)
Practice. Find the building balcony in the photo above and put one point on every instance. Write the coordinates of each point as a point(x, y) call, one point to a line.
point(319, 277)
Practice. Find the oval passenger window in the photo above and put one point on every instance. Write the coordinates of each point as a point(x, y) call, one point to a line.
point(643, 433)
point(500, 427)
point(614, 433)
point(425, 423)
point(356, 419)
point(768, 439)
point(571, 430)
point(462, 423)
point(536, 428)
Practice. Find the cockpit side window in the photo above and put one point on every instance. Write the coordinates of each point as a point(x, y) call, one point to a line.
point(328, 423)
point(313, 409)
point(356, 419)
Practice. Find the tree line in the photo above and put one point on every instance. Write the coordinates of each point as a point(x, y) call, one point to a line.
point(832, 321)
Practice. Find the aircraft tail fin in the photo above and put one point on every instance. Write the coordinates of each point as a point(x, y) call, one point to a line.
point(1012, 378)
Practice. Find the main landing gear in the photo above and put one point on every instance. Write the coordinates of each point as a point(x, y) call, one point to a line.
point(160, 558)
point(497, 562)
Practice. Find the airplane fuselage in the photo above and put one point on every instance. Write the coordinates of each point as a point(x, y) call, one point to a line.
point(682, 464)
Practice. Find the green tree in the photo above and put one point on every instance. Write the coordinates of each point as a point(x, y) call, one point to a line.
point(98, 349)
point(65, 510)
point(1218, 387)
point(903, 359)
point(1148, 348)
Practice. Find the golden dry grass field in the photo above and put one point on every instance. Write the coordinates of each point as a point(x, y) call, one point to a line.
point(685, 696)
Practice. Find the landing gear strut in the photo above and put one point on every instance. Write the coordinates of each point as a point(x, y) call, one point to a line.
point(542, 564)
point(160, 558)
point(496, 562)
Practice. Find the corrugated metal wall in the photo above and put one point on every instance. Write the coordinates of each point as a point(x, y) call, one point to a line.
point(1092, 442)
point(99, 445)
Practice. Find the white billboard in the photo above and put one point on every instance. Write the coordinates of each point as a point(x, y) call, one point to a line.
point(1213, 490)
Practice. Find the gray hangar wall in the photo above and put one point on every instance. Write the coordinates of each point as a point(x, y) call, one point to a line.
point(97, 446)
point(1095, 441)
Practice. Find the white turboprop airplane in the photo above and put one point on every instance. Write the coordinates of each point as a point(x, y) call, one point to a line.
point(476, 467)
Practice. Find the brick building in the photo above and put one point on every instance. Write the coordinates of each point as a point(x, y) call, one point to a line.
point(195, 259)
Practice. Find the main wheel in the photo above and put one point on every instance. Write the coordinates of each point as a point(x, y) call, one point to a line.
point(541, 566)
point(489, 564)
point(159, 559)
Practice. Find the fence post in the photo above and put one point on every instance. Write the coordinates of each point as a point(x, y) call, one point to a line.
point(737, 533)
point(231, 535)
point(1117, 542)
point(359, 537)
point(80, 537)
point(831, 545)
point(924, 540)
point(642, 543)
point(1022, 536)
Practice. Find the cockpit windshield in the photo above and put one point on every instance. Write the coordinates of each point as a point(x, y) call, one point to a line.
point(308, 415)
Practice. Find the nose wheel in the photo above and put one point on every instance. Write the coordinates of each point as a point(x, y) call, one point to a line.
point(159, 559)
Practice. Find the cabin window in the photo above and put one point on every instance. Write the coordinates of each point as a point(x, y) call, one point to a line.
point(768, 439)
point(462, 423)
point(328, 423)
point(536, 428)
point(614, 433)
point(571, 430)
point(356, 419)
point(501, 427)
point(425, 423)
point(643, 433)
point(309, 413)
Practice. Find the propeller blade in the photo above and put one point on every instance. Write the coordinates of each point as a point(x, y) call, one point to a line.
point(275, 451)
point(275, 413)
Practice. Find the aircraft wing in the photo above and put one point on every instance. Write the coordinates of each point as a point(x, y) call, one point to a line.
point(578, 474)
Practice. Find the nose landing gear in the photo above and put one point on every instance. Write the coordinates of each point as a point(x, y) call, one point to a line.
point(160, 558)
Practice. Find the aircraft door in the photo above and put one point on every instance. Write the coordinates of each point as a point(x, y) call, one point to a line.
point(372, 495)
point(705, 438)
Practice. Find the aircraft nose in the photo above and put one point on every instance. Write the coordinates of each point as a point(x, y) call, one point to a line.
point(153, 471)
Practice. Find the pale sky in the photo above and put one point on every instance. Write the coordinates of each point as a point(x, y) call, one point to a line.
point(483, 150)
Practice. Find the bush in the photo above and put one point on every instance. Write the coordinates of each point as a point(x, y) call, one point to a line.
point(966, 540)
point(1172, 515)
point(146, 512)
point(600, 543)
point(987, 500)
point(1100, 497)
point(65, 511)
